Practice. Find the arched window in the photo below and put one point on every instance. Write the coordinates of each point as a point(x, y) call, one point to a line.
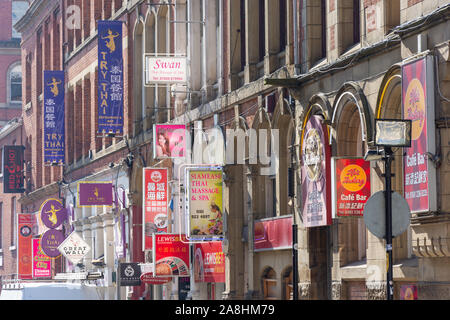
point(269, 281)
point(15, 83)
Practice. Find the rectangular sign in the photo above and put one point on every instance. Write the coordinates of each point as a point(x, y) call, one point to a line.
point(209, 262)
point(352, 186)
point(130, 274)
point(54, 127)
point(272, 234)
point(110, 77)
point(42, 265)
point(165, 70)
point(94, 193)
point(13, 176)
point(24, 250)
point(204, 200)
point(408, 292)
point(170, 141)
point(315, 164)
point(171, 255)
point(155, 203)
point(418, 106)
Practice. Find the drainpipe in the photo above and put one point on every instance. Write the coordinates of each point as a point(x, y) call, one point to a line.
point(295, 23)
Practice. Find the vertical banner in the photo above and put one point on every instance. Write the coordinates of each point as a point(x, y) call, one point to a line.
point(54, 127)
point(171, 255)
point(13, 177)
point(170, 141)
point(204, 199)
point(110, 77)
point(316, 186)
point(352, 187)
point(42, 265)
point(209, 262)
point(155, 203)
point(418, 106)
point(24, 250)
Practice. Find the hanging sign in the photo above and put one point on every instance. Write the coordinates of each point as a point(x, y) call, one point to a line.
point(352, 187)
point(13, 178)
point(209, 262)
point(165, 70)
point(110, 77)
point(171, 255)
point(130, 274)
point(74, 248)
point(93, 193)
point(54, 127)
point(315, 162)
point(204, 199)
point(42, 264)
point(169, 141)
point(418, 106)
point(24, 250)
point(50, 241)
point(155, 203)
point(52, 213)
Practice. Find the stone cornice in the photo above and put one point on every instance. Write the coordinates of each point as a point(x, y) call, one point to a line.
point(39, 194)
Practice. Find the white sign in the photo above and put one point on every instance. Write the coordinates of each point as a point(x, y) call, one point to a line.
point(165, 70)
point(74, 248)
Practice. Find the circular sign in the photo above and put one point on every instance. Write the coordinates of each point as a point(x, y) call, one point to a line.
point(375, 214)
point(353, 178)
point(25, 231)
point(415, 107)
point(50, 241)
point(53, 213)
point(150, 279)
point(313, 155)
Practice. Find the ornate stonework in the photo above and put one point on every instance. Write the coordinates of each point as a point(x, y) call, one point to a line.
point(336, 290)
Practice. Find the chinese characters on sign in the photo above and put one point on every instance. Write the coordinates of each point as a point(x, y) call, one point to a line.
point(41, 263)
point(54, 127)
point(13, 177)
point(352, 186)
point(25, 254)
point(316, 189)
point(155, 203)
point(110, 77)
point(171, 255)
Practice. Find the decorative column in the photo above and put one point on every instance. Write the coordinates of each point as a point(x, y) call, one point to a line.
point(108, 245)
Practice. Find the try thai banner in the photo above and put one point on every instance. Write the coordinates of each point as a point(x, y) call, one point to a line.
point(155, 203)
point(13, 176)
point(54, 127)
point(42, 265)
point(209, 262)
point(352, 186)
point(316, 186)
point(418, 106)
point(205, 203)
point(24, 250)
point(110, 77)
point(95, 193)
point(171, 255)
point(169, 141)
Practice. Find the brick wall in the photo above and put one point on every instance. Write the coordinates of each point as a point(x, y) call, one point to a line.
point(6, 19)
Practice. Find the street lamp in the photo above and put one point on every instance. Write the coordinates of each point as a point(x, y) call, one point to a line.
point(390, 133)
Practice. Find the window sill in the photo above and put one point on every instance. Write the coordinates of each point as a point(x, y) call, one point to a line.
point(353, 48)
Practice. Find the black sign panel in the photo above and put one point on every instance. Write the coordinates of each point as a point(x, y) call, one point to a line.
point(130, 274)
point(13, 179)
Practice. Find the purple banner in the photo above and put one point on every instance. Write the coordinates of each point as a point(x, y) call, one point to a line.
point(54, 127)
point(13, 169)
point(110, 77)
point(52, 213)
point(50, 241)
point(95, 194)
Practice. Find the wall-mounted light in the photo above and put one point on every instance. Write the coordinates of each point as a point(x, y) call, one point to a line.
point(393, 133)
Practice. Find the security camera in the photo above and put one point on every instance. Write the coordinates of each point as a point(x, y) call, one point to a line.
point(373, 155)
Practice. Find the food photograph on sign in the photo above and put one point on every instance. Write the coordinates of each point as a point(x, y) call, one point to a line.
point(171, 255)
point(205, 203)
point(169, 141)
point(352, 186)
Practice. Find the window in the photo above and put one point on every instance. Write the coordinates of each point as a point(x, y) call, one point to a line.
point(15, 84)
point(13, 222)
point(1, 225)
point(18, 10)
point(262, 30)
point(269, 284)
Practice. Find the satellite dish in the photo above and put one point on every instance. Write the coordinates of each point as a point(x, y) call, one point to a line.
point(375, 214)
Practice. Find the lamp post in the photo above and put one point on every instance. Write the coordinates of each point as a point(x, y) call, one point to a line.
point(390, 133)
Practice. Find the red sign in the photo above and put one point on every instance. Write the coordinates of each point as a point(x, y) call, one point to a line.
point(13, 169)
point(273, 234)
point(150, 279)
point(352, 187)
point(416, 107)
point(155, 203)
point(171, 255)
point(25, 254)
point(316, 186)
point(408, 292)
point(209, 262)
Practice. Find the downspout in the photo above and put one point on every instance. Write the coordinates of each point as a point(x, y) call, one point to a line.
point(220, 53)
point(295, 23)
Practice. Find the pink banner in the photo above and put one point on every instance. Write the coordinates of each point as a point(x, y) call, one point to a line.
point(170, 141)
point(209, 262)
point(273, 234)
point(42, 265)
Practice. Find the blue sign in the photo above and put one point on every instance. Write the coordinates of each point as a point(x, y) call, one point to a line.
point(110, 77)
point(54, 126)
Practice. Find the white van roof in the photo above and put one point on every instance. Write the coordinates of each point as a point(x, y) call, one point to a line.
point(50, 291)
